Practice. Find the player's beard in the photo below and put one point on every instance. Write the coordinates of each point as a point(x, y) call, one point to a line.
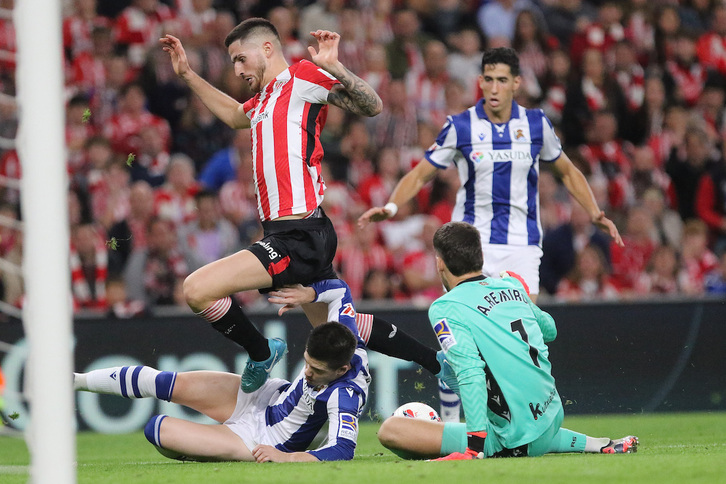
point(256, 85)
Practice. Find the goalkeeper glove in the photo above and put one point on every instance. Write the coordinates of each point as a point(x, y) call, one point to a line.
point(474, 448)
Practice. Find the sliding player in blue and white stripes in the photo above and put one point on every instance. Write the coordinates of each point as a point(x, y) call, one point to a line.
point(275, 423)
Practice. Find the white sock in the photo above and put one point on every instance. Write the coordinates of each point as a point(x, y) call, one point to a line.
point(126, 381)
point(450, 405)
point(594, 444)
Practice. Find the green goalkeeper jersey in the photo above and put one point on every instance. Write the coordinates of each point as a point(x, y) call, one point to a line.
point(494, 338)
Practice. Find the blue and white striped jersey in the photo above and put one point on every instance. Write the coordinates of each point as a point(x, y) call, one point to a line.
point(498, 168)
point(295, 417)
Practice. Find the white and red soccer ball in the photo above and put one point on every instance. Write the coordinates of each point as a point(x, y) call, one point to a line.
point(417, 410)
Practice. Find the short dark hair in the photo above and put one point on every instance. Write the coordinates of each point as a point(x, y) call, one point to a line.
point(501, 55)
point(249, 27)
point(459, 246)
point(332, 343)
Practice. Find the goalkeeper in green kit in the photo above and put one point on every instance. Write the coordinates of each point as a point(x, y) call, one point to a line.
point(494, 338)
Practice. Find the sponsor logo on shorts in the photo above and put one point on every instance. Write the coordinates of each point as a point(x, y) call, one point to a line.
point(348, 427)
point(270, 251)
point(443, 334)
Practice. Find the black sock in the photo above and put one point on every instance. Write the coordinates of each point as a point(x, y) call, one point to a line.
point(388, 339)
point(235, 325)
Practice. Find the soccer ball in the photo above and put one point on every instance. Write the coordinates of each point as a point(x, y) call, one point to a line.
point(417, 410)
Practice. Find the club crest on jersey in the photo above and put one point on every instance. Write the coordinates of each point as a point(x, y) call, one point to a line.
point(348, 426)
point(443, 334)
point(518, 134)
point(278, 85)
point(348, 310)
point(476, 156)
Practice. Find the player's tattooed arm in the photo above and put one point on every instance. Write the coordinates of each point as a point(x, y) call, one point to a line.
point(355, 95)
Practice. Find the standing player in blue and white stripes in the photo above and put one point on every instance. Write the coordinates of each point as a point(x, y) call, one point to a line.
point(275, 423)
point(496, 146)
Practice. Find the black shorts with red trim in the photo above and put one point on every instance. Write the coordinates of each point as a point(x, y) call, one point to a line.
point(297, 251)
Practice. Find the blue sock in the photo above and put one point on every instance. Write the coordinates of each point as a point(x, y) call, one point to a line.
point(152, 428)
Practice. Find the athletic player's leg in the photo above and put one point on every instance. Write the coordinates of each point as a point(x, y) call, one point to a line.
point(411, 438)
point(241, 271)
point(209, 392)
point(523, 260)
point(183, 440)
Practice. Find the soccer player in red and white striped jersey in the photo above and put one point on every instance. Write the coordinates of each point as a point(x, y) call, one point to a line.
point(286, 117)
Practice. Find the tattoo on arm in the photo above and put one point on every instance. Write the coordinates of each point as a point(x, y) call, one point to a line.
point(355, 95)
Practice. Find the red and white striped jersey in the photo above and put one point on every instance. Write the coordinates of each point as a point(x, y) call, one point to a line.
point(286, 119)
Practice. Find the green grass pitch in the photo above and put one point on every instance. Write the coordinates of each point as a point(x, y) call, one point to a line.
point(678, 448)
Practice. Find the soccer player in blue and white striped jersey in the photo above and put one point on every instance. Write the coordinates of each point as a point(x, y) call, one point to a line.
point(497, 146)
point(277, 422)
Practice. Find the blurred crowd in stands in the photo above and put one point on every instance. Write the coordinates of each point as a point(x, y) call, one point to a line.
point(159, 186)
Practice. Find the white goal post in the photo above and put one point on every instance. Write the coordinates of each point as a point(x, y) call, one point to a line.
point(47, 316)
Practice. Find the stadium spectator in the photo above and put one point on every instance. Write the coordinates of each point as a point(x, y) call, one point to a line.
point(209, 236)
point(77, 131)
point(376, 188)
point(201, 135)
point(532, 44)
point(378, 286)
point(554, 86)
point(710, 202)
point(78, 27)
point(153, 273)
point(498, 18)
point(151, 162)
point(375, 72)
point(667, 27)
point(419, 276)
point(130, 233)
point(360, 254)
point(224, 164)
point(89, 267)
point(283, 18)
point(667, 224)
point(589, 279)
point(88, 68)
point(567, 17)
point(697, 260)
point(630, 260)
point(715, 282)
point(320, 15)
point(426, 88)
point(554, 205)
point(174, 200)
point(561, 246)
point(140, 25)
point(630, 75)
point(685, 166)
point(609, 158)
point(646, 174)
point(600, 35)
point(593, 91)
point(405, 50)
point(464, 63)
point(712, 44)
point(688, 75)
point(238, 203)
point(109, 197)
point(661, 274)
point(125, 127)
point(396, 126)
point(330, 389)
